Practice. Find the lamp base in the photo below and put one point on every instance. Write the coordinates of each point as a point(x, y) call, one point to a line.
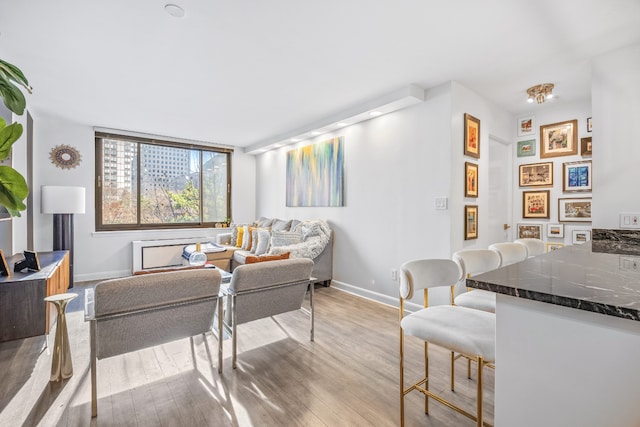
point(63, 238)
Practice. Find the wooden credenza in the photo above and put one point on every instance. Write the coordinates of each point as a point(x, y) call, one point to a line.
point(23, 312)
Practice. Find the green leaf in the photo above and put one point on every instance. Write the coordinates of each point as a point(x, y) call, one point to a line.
point(8, 135)
point(13, 189)
point(13, 97)
point(14, 74)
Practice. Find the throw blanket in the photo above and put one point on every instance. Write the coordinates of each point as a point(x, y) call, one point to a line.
point(315, 236)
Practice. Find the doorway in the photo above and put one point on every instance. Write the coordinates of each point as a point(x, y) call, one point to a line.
point(500, 213)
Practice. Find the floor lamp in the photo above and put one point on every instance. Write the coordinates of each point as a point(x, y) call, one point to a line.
point(63, 202)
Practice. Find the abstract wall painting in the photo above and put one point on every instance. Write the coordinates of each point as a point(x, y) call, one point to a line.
point(315, 174)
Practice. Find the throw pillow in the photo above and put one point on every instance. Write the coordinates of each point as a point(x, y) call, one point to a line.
point(264, 237)
point(280, 225)
point(239, 236)
point(254, 240)
point(246, 238)
point(252, 259)
point(234, 233)
point(264, 222)
point(285, 238)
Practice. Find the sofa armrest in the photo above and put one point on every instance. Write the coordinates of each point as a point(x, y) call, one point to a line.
point(223, 239)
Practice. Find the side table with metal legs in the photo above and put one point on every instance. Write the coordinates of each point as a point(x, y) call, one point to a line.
point(61, 365)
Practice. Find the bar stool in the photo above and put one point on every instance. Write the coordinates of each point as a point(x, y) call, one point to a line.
point(535, 247)
point(510, 252)
point(463, 330)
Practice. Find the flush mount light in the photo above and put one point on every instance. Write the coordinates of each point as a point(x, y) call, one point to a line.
point(540, 92)
point(174, 10)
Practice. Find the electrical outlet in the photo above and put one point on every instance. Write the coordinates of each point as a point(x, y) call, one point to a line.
point(630, 220)
point(629, 263)
point(394, 274)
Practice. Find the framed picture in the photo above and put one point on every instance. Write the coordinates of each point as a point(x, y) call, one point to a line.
point(526, 125)
point(553, 246)
point(581, 236)
point(470, 222)
point(574, 210)
point(536, 175)
point(471, 179)
point(527, 148)
point(4, 267)
point(576, 176)
point(585, 146)
point(529, 231)
point(471, 136)
point(555, 230)
point(535, 204)
point(588, 124)
point(559, 139)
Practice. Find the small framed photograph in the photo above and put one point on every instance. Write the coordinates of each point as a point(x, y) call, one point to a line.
point(4, 266)
point(585, 146)
point(576, 176)
point(536, 175)
point(471, 136)
point(559, 139)
point(471, 179)
point(526, 125)
point(581, 236)
point(588, 124)
point(574, 210)
point(527, 148)
point(535, 204)
point(530, 231)
point(470, 222)
point(553, 246)
point(555, 230)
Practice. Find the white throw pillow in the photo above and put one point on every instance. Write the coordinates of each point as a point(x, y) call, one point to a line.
point(254, 240)
point(263, 242)
point(285, 238)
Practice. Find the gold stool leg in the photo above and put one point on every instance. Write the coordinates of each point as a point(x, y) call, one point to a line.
point(479, 397)
point(426, 375)
point(61, 365)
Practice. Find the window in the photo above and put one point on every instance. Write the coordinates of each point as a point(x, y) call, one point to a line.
point(136, 191)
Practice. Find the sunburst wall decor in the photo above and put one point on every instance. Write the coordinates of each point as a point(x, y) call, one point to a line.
point(65, 156)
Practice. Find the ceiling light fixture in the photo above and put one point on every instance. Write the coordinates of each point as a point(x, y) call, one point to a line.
point(375, 113)
point(174, 10)
point(540, 92)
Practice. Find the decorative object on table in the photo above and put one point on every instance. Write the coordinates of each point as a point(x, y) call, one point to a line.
point(197, 257)
point(30, 262)
point(536, 175)
point(470, 222)
point(65, 156)
point(470, 179)
point(315, 174)
point(4, 267)
point(526, 125)
point(574, 210)
point(61, 364)
point(589, 124)
point(13, 186)
point(581, 236)
point(585, 146)
point(576, 176)
point(555, 230)
point(559, 139)
point(535, 204)
point(471, 136)
point(540, 93)
point(529, 231)
point(63, 202)
point(553, 246)
point(527, 148)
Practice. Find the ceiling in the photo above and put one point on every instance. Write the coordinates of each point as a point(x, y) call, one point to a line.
point(237, 72)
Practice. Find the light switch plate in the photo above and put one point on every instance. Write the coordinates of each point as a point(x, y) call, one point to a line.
point(630, 220)
point(441, 203)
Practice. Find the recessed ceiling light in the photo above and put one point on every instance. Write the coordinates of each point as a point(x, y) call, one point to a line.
point(375, 113)
point(343, 124)
point(295, 140)
point(315, 132)
point(174, 10)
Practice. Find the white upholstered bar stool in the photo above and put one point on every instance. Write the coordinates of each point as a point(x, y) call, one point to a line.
point(510, 252)
point(535, 247)
point(463, 330)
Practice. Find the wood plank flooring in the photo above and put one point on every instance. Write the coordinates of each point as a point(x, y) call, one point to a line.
point(347, 377)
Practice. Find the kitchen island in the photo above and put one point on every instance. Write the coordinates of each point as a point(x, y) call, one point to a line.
point(567, 339)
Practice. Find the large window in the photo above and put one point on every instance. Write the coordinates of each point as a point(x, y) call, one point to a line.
point(144, 183)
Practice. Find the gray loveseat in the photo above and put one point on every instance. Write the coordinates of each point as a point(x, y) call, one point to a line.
point(311, 239)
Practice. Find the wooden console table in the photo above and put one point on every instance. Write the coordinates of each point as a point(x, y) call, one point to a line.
point(23, 312)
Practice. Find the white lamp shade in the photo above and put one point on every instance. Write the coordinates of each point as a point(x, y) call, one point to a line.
point(62, 200)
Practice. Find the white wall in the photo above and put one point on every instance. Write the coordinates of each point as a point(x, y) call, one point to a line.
point(107, 254)
point(546, 114)
point(615, 89)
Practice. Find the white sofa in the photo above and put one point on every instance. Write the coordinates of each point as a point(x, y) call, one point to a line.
point(311, 239)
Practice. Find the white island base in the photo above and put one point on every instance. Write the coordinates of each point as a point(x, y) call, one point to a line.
point(564, 367)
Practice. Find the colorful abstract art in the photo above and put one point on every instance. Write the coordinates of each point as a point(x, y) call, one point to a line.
point(315, 174)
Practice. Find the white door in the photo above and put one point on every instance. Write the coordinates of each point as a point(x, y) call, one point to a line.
point(500, 191)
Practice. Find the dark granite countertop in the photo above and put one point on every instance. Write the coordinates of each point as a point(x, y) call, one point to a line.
point(572, 276)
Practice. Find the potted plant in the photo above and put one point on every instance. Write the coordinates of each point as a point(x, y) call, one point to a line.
point(13, 187)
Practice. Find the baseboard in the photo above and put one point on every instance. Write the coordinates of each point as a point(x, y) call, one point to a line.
point(102, 275)
point(373, 296)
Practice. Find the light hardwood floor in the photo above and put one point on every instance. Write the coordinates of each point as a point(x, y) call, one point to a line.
point(347, 377)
